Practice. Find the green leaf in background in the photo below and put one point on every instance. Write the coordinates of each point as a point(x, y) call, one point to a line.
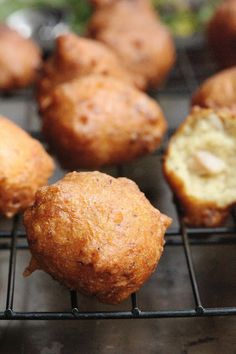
point(9, 6)
point(80, 10)
point(186, 17)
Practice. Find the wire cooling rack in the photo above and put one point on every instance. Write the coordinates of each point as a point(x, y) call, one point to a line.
point(184, 79)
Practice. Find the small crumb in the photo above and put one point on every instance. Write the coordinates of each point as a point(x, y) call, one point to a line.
point(83, 119)
point(118, 218)
point(133, 137)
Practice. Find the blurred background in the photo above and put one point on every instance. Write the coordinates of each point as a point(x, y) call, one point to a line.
point(184, 17)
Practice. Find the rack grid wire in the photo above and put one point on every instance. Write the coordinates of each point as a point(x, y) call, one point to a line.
point(186, 76)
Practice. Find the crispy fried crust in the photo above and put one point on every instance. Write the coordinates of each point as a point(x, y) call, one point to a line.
point(20, 58)
point(95, 234)
point(196, 212)
point(133, 31)
point(24, 167)
point(98, 121)
point(222, 33)
point(218, 91)
point(76, 57)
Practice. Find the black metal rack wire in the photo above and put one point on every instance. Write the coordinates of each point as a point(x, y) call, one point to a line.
point(184, 79)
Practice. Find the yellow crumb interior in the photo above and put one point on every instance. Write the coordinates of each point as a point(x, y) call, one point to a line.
point(203, 156)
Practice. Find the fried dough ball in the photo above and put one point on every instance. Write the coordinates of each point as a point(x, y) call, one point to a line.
point(20, 58)
point(222, 33)
point(132, 30)
point(95, 234)
point(75, 57)
point(218, 91)
point(200, 166)
point(24, 167)
point(97, 121)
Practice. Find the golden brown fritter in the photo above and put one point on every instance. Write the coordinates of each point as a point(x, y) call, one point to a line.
point(75, 57)
point(24, 167)
point(200, 166)
point(218, 91)
point(95, 234)
point(132, 30)
point(222, 33)
point(97, 121)
point(20, 58)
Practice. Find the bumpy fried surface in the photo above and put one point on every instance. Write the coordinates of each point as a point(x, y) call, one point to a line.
point(132, 30)
point(96, 234)
point(24, 167)
point(200, 166)
point(20, 59)
point(222, 33)
point(98, 121)
point(76, 57)
point(218, 91)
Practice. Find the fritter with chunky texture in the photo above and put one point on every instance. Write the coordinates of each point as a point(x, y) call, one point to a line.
point(20, 59)
point(24, 167)
point(143, 43)
point(76, 57)
point(200, 166)
point(95, 234)
point(97, 121)
point(218, 91)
